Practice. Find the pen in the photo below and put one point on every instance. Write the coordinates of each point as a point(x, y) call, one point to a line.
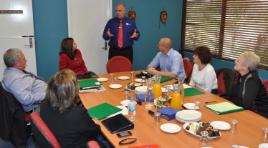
point(210, 102)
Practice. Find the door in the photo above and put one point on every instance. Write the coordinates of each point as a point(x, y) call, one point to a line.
point(17, 31)
point(86, 21)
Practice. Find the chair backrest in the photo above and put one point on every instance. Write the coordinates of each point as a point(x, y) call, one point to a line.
point(221, 84)
point(265, 82)
point(93, 144)
point(42, 132)
point(118, 64)
point(225, 79)
point(188, 68)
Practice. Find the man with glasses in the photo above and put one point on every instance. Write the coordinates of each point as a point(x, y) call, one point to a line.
point(121, 32)
point(169, 60)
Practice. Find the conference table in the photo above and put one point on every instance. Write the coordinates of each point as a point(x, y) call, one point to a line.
point(248, 132)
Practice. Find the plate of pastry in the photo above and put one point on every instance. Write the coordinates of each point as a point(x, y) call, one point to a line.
point(196, 128)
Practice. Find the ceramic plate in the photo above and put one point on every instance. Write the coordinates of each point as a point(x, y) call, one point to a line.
point(102, 79)
point(188, 116)
point(194, 134)
point(190, 106)
point(115, 86)
point(123, 77)
point(220, 125)
point(125, 102)
point(139, 80)
point(263, 145)
point(170, 128)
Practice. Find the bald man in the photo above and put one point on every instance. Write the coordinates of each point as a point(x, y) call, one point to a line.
point(121, 32)
point(169, 60)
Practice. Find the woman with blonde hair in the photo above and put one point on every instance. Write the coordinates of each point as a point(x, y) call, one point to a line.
point(248, 90)
point(63, 113)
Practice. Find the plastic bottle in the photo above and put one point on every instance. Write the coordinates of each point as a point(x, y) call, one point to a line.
point(132, 110)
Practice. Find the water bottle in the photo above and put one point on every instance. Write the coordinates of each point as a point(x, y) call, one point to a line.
point(132, 110)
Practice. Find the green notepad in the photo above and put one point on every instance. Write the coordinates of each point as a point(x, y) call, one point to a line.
point(224, 108)
point(192, 92)
point(165, 79)
point(102, 111)
point(87, 83)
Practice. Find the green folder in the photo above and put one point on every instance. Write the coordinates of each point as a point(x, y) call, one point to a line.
point(165, 79)
point(102, 111)
point(192, 92)
point(87, 83)
point(224, 108)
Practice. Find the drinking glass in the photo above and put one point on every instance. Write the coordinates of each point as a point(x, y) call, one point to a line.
point(204, 138)
point(265, 134)
point(234, 125)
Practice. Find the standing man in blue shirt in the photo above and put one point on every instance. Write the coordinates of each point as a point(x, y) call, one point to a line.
point(169, 60)
point(121, 32)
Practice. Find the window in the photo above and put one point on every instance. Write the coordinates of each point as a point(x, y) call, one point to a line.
point(228, 27)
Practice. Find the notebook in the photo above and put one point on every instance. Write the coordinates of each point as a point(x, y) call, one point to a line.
point(192, 92)
point(165, 79)
point(224, 108)
point(87, 83)
point(102, 111)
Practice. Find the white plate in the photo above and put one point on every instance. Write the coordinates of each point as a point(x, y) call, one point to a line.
point(170, 128)
point(190, 106)
point(115, 86)
point(139, 80)
point(263, 145)
point(102, 79)
point(220, 125)
point(141, 89)
point(192, 133)
point(125, 102)
point(123, 77)
point(188, 115)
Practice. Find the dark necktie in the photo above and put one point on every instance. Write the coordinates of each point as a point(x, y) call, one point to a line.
point(33, 75)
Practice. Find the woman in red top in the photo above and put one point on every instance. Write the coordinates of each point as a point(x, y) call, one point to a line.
point(71, 58)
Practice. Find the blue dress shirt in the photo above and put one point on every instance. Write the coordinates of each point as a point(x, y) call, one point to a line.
point(170, 62)
point(129, 27)
point(27, 89)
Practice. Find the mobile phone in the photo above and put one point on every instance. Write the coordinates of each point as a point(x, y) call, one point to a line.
point(124, 134)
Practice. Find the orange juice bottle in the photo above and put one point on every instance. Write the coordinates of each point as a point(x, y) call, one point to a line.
point(157, 91)
point(176, 100)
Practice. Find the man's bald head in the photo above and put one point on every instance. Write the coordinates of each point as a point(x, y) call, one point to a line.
point(165, 44)
point(120, 10)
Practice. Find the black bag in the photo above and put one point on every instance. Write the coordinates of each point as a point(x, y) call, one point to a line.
point(87, 75)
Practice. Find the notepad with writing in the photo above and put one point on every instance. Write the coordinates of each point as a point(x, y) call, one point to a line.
point(102, 111)
point(224, 108)
point(87, 83)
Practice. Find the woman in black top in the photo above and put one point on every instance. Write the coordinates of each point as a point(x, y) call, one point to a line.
point(248, 90)
point(64, 115)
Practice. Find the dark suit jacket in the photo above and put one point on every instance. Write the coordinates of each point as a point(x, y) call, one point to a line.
point(73, 128)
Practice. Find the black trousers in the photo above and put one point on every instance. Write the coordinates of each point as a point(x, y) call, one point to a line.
point(126, 52)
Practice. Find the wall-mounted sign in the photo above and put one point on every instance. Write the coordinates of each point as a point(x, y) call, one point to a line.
point(11, 11)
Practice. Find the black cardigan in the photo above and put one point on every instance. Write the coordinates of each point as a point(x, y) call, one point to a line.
point(249, 92)
point(73, 128)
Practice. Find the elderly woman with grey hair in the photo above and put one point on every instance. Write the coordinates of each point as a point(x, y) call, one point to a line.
point(27, 88)
point(248, 90)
